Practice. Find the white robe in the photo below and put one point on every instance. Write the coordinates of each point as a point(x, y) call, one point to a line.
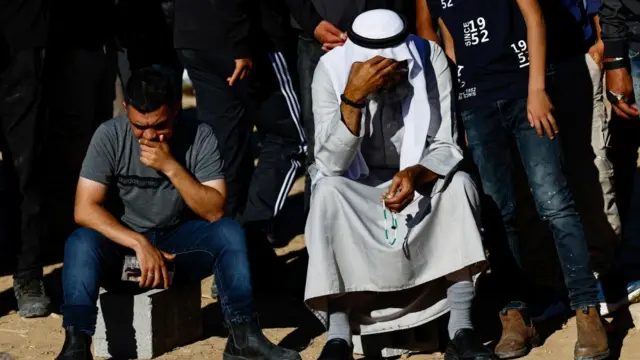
point(348, 252)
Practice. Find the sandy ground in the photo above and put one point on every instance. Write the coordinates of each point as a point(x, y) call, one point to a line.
point(43, 338)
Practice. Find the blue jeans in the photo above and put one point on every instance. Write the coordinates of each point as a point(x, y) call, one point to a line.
point(488, 128)
point(92, 260)
point(634, 60)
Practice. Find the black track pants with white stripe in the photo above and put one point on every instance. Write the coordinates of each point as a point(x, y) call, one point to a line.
point(269, 101)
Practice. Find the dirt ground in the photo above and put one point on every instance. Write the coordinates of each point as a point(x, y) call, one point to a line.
point(43, 338)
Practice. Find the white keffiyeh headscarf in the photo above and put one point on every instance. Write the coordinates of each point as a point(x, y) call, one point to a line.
point(376, 29)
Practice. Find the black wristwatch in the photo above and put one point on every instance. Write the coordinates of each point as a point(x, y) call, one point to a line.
point(613, 97)
point(352, 103)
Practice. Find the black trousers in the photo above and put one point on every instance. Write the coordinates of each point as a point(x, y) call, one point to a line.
point(80, 91)
point(21, 131)
point(268, 100)
point(147, 36)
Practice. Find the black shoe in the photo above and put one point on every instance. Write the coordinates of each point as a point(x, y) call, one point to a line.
point(246, 341)
point(466, 346)
point(31, 298)
point(77, 346)
point(336, 349)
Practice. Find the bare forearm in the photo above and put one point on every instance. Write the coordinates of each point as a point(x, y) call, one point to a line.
point(351, 117)
point(206, 202)
point(424, 23)
point(536, 42)
point(596, 22)
point(447, 41)
point(98, 218)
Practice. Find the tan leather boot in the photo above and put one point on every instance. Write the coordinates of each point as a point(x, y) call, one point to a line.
point(518, 335)
point(592, 341)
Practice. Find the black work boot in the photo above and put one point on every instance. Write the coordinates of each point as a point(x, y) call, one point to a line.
point(246, 342)
point(466, 346)
point(336, 349)
point(77, 346)
point(31, 297)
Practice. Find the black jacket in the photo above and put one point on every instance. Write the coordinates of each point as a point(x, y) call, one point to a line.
point(23, 23)
point(242, 26)
point(620, 21)
point(341, 13)
point(237, 27)
point(81, 24)
point(145, 24)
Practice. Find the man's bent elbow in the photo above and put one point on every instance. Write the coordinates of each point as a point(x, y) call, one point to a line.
point(213, 216)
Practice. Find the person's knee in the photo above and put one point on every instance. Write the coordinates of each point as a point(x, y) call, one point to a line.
point(461, 184)
point(555, 204)
point(82, 247)
point(462, 180)
point(81, 260)
point(229, 233)
point(329, 186)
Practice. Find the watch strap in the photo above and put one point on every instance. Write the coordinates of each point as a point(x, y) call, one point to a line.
point(352, 103)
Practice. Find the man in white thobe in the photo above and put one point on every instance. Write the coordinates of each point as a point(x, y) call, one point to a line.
point(392, 235)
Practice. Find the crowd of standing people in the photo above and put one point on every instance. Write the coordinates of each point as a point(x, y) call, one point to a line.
point(405, 117)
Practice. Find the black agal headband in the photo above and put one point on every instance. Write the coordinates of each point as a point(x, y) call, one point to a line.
point(385, 43)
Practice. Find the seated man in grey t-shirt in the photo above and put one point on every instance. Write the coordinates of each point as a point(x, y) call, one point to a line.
point(168, 174)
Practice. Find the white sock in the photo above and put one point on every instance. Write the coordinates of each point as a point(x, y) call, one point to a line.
point(460, 296)
point(339, 325)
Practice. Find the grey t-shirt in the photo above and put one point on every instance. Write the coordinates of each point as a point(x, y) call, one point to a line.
point(150, 200)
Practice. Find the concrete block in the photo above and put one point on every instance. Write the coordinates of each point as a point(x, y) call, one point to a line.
point(146, 325)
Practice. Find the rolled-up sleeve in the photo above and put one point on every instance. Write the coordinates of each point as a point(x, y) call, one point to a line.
point(335, 146)
point(442, 154)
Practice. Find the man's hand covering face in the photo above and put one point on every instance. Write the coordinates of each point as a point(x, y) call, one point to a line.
point(369, 76)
